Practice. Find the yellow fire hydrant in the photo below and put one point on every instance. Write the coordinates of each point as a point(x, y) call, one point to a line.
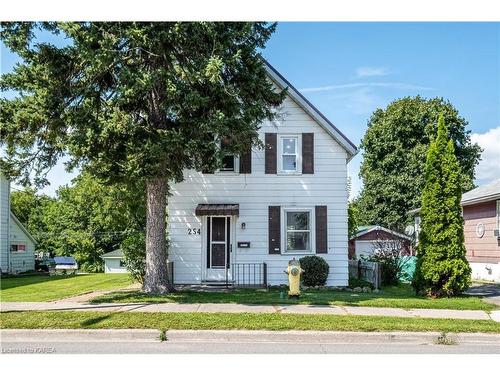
point(294, 271)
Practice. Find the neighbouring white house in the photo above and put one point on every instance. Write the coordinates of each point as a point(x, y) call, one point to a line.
point(17, 246)
point(113, 262)
point(243, 223)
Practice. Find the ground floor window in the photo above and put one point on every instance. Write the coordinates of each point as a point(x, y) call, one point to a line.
point(298, 230)
point(122, 263)
point(17, 248)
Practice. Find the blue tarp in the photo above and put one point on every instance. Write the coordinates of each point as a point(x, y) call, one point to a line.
point(65, 260)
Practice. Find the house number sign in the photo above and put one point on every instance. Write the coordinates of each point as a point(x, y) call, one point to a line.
point(194, 231)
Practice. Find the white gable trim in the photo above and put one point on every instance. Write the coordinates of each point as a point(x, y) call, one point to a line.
point(381, 229)
point(311, 110)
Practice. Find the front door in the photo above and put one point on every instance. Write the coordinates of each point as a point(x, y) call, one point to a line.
point(218, 247)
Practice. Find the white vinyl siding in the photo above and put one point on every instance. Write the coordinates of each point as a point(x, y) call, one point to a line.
point(254, 193)
point(114, 265)
point(25, 260)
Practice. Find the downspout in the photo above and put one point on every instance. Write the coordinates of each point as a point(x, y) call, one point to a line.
point(9, 266)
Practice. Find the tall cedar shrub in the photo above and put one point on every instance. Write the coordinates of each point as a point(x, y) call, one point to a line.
point(315, 270)
point(442, 269)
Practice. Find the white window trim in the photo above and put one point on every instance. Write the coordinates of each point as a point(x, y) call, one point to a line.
point(236, 166)
point(298, 152)
point(312, 230)
point(18, 243)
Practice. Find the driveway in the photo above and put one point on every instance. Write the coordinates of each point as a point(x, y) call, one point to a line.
point(490, 292)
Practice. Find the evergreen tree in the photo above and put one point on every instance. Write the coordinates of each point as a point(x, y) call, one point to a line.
point(442, 269)
point(131, 102)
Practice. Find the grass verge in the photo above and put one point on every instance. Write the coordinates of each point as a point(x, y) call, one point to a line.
point(43, 288)
point(249, 321)
point(401, 296)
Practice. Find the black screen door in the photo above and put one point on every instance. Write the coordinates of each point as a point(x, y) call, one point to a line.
point(218, 242)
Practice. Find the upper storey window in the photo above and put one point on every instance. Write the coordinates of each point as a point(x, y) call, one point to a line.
point(229, 160)
point(289, 154)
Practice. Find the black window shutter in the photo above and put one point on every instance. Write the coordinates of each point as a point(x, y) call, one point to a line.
point(270, 153)
point(274, 230)
point(321, 230)
point(246, 161)
point(307, 153)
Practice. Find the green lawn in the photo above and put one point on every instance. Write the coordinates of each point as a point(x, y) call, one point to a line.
point(165, 321)
point(401, 296)
point(50, 288)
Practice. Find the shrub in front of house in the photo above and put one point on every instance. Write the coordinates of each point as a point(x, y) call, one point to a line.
point(315, 270)
point(134, 252)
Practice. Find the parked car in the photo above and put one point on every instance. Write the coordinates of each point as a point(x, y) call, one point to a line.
point(63, 266)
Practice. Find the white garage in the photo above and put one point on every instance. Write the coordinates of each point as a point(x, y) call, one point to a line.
point(113, 262)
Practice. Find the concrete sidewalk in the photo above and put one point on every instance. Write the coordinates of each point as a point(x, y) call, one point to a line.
point(241, 308)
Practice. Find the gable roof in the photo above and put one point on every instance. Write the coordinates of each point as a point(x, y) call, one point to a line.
point(362, 230)
point(113, 254)
point(20, 225)
point(482, 193)
point(311, 110)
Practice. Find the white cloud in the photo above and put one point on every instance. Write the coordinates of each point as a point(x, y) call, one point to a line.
point(361, 101)
point(488, 168)
point(390, 85)
point(371, 71)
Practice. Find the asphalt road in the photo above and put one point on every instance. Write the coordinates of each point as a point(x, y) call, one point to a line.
point(243, 348)
point(237, 342)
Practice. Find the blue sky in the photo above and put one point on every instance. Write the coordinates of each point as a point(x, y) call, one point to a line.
point(348, 70)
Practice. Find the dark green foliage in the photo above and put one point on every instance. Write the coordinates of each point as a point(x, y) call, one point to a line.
point(315, 270)
point(442, 269)
point(134, 254)
point(84, 220)
point(132, 100)
point(352, 219)
point(31, 209)
point(394, 149)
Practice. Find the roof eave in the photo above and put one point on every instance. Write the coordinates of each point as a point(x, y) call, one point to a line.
point(480, 199)
point(321, 119)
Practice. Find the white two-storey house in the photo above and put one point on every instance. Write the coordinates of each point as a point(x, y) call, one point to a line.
point(242, 224)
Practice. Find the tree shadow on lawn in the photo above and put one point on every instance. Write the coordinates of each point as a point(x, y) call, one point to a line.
point(26, 280)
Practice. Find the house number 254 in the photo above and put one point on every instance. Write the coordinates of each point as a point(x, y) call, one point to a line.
point(194, 231)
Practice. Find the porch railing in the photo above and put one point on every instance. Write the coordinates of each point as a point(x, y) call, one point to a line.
point(249, 275)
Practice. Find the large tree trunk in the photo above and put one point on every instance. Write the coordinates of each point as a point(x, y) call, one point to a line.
point(156, 279)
